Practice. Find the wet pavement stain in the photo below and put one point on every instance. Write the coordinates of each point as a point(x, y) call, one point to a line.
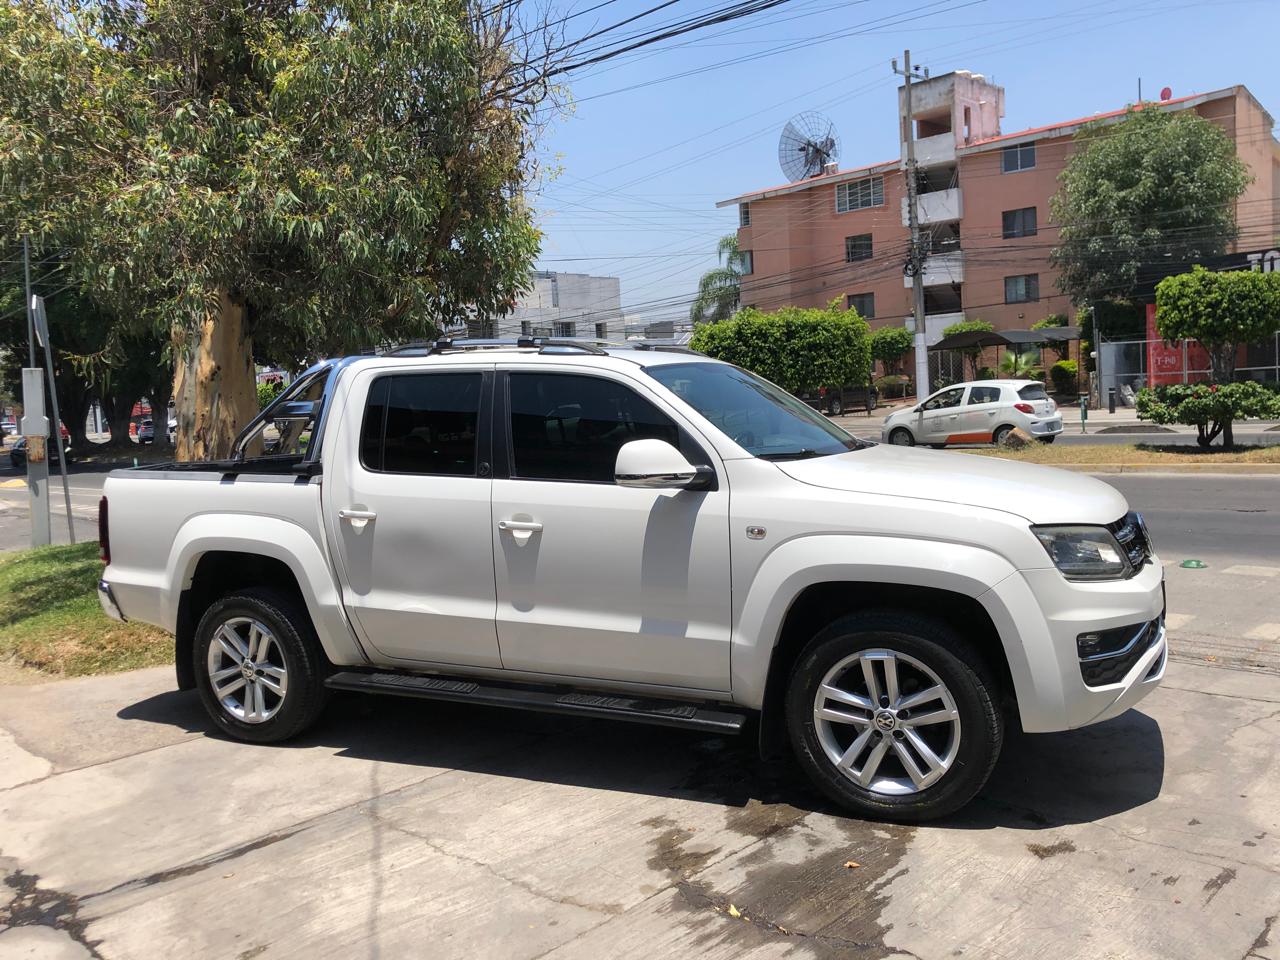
point(36, 906)
point(1045, 851)
point(1214, 887)
point(1170, 881)
point(669, 852)
point(816, 901)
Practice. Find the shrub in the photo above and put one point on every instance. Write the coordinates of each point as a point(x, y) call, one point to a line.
point(889, 345)
point(797, 348)
point(986, 373)
point(268, 391)
point(895, 385)
point(1209, 407)
point(1063, 374)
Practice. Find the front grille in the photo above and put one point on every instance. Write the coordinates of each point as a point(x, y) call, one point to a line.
point(1131, 533)
point(1111, 668)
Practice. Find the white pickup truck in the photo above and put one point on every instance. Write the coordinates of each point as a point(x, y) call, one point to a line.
point(639, 534)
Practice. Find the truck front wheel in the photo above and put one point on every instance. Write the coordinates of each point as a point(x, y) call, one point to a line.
point(258, 666)
point(894, 716)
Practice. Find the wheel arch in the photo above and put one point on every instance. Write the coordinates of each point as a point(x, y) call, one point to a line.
point(809, 582)
point(210, 558)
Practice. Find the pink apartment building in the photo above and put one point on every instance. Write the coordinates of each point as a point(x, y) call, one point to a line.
point(984, 204)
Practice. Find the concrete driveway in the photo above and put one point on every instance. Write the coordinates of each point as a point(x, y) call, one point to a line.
point(403, 829)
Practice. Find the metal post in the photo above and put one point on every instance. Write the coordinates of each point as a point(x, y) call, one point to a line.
point(42, 331)
point(913, 219)
point(31, 321)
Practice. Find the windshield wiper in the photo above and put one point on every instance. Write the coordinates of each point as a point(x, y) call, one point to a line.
point(804, 454)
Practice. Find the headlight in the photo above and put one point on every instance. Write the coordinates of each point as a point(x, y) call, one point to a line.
point(1084, 553)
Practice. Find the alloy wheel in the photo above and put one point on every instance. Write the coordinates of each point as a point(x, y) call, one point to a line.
point(887, 722)
point(247, 670)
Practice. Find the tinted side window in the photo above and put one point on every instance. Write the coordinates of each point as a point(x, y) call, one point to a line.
point(567, 427)
point(422, 423)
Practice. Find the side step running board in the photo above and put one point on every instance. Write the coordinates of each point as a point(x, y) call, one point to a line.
point(667, 713)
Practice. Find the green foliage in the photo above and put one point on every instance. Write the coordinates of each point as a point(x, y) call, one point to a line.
point(1220, 310)
point(895, 385)
point(971, 354)
point(890, 344)
point(351, 171)
point(1209, 407)
point(1064, 374)
point(1158, 187)
point(1050, 322)
point(797, 348)
point(986, 373)
point(1018, 366)
point(268, 391)
point(719, 288)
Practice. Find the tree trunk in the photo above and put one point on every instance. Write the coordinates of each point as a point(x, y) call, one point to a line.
point(213, 382)
point(117, 410)
point(1222, 363)
point(1228, 438)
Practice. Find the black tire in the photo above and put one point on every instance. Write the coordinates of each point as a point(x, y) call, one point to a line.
point(938, 446)
point(299, 651)
point(1049, 439)
point(837, 406)
point(902, 437)
point(963, 672)
point(1002, 431)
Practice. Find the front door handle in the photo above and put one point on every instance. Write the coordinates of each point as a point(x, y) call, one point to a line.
point(357, 518)
point(520, 526)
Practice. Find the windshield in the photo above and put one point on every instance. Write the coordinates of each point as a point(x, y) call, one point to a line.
point(763, 419)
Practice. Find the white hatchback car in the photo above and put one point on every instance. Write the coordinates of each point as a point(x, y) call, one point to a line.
point(980, 412)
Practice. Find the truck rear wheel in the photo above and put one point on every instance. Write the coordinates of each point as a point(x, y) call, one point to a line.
point(259, 667)
point(894, 716)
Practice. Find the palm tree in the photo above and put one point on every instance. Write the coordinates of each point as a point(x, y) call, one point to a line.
point(1018, 365)
point(718, 289)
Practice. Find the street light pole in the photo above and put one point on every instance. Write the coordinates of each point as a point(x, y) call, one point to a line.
point(916, 263)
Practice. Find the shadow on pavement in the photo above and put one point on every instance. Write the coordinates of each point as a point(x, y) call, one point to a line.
point(1041, 781)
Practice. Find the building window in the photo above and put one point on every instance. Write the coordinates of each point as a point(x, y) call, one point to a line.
point(1021, 157)
point(857, 248)
point(1022, 289)
point(746, 262)
point(526, 328)
point(565, 328)
point(860, 194)
point(1019, 223)
point(744, 214)
point(602, 331)
point(864, 304)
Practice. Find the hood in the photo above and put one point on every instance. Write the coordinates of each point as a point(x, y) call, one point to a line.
point(1040, 494)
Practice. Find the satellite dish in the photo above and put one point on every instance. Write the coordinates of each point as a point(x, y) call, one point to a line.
point(808, 143)
point(1166, 93)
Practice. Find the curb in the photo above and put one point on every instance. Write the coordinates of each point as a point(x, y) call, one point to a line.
point(1237, 469)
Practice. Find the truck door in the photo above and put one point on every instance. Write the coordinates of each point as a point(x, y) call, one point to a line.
point(407, 491)
point(595, 579)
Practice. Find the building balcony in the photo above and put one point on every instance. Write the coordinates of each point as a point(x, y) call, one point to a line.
point(934, 151)
point(940, 269)
point(939, 206)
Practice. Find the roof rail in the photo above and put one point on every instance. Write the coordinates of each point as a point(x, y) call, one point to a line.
point(664, 347)
point(541, 344)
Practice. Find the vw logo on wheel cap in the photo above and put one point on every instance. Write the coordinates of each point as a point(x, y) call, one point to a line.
point(886, 720)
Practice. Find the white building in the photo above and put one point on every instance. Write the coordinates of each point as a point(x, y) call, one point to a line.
point(561, 305)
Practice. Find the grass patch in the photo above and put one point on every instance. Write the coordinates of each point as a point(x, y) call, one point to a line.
point(1113, 454)
point(50, 619)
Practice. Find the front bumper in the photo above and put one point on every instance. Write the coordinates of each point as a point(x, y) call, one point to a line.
point(107, 598)
point(1043, 613)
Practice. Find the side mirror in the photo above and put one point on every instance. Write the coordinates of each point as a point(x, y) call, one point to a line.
point(656, 464)
point(294, 410)
point(917, 408)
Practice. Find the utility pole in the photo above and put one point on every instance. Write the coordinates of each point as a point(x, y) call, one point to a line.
point(916, 264)
point(35, 425)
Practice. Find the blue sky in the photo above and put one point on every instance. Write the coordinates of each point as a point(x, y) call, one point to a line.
point(641, 167)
